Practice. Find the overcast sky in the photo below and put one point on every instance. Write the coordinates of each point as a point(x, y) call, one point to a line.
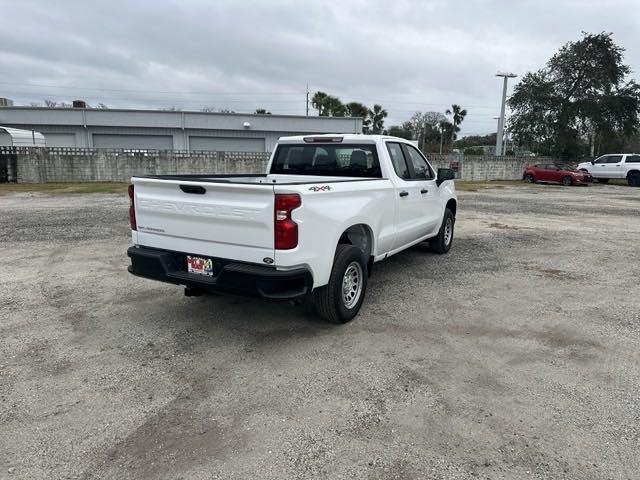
point(242, 55)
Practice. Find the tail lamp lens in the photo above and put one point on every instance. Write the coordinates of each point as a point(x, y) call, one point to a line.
point(132, 208)
point(285, 229)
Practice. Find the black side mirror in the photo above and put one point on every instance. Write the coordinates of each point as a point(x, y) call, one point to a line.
point(445, 174)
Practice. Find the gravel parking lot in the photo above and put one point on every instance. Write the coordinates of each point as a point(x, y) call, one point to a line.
point(515, 356)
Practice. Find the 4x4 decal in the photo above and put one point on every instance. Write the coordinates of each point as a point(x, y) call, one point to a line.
point(320, 188)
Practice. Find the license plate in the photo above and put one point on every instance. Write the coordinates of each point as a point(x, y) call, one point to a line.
point(200, 265)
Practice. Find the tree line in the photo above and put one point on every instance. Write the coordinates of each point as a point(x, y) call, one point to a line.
point(431, 129)
point(330, 106)
point(581, 103)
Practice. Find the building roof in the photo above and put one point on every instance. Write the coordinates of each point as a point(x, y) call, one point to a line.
point(175, 119)
point(151, 110)
point(23, 138)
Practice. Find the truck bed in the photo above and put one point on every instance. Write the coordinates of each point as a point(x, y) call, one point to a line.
point(254, 179)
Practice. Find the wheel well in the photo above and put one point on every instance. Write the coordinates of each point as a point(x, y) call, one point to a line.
point(453, 206)
point(633, 172)
point(360, 236)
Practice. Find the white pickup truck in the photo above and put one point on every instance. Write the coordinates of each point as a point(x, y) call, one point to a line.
point(622, 166)
point(327, 209)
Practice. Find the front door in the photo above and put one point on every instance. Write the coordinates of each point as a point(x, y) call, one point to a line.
point(614, 166)
point(601, 168)
point(545, 173)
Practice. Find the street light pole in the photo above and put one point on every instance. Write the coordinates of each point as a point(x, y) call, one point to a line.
point(506, 75)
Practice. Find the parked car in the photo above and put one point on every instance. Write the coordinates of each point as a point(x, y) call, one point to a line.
point(555, 173)
point(327, 209)
point(607, 167)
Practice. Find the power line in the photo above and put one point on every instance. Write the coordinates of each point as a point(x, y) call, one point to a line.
point(381, 100)
point(150, 91)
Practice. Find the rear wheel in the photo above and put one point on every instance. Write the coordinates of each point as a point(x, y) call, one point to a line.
point(602, 180)
point(633, 179)
point(529, 178)
point(442, 242)
point(566, 181)
point(340, 300)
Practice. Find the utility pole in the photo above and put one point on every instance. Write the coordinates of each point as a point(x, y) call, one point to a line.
point(441, 133)
point(506, 76)
point(307, 99)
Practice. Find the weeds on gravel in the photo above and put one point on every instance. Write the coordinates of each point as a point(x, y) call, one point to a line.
point(64, 188)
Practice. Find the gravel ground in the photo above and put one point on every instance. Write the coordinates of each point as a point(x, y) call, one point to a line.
point(515, 356)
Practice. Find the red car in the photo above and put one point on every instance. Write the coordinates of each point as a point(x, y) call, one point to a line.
point(555, 173)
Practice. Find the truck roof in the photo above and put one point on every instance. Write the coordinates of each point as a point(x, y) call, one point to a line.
point(346, 137)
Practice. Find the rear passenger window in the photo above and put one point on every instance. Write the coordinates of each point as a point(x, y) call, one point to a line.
point(633, 159)
point(614, 158)
point(421, 168)
point(397, 158)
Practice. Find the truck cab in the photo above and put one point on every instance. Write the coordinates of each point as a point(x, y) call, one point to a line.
point(614, 166)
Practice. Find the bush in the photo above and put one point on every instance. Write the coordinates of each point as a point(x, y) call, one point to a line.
point(473, 151)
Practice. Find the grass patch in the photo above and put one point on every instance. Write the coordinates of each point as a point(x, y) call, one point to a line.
point(64, 188)
point(474, 186)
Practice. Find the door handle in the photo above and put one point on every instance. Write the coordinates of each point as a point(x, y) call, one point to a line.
point(404, 194)
point(424, 190)
point(197, 189)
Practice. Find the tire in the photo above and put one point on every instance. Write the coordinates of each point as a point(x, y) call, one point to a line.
point(441, 243)
point(529, 178)
point(330, 302)
point(633, 179)
point(602, 180)
point(566, 181)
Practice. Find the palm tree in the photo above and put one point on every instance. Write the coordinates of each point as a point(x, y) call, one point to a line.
point(357, 109)
point(458, 115)
point(318, 101)
point(333, 106)
point(377, 115)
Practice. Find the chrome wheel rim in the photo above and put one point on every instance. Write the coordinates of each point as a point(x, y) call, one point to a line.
point(448, 231)
point(352, 285)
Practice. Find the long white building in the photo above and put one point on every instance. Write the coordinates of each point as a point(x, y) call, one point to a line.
point(167, 130)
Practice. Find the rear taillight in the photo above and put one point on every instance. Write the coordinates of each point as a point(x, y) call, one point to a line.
point(286, 230)
point(132, 209)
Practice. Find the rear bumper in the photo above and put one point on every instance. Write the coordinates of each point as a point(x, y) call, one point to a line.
point(228, 275)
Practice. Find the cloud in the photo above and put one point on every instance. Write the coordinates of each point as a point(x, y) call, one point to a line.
point(405, 55)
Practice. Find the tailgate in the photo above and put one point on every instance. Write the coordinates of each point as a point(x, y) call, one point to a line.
point(227, 220)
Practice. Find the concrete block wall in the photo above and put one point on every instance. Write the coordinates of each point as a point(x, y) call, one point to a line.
point(483, 168)
point(40, 165)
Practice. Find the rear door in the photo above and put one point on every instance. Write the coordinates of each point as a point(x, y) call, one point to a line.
point(424, 177)
point(613, 166)
point(221, 220)
point(409, 221)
